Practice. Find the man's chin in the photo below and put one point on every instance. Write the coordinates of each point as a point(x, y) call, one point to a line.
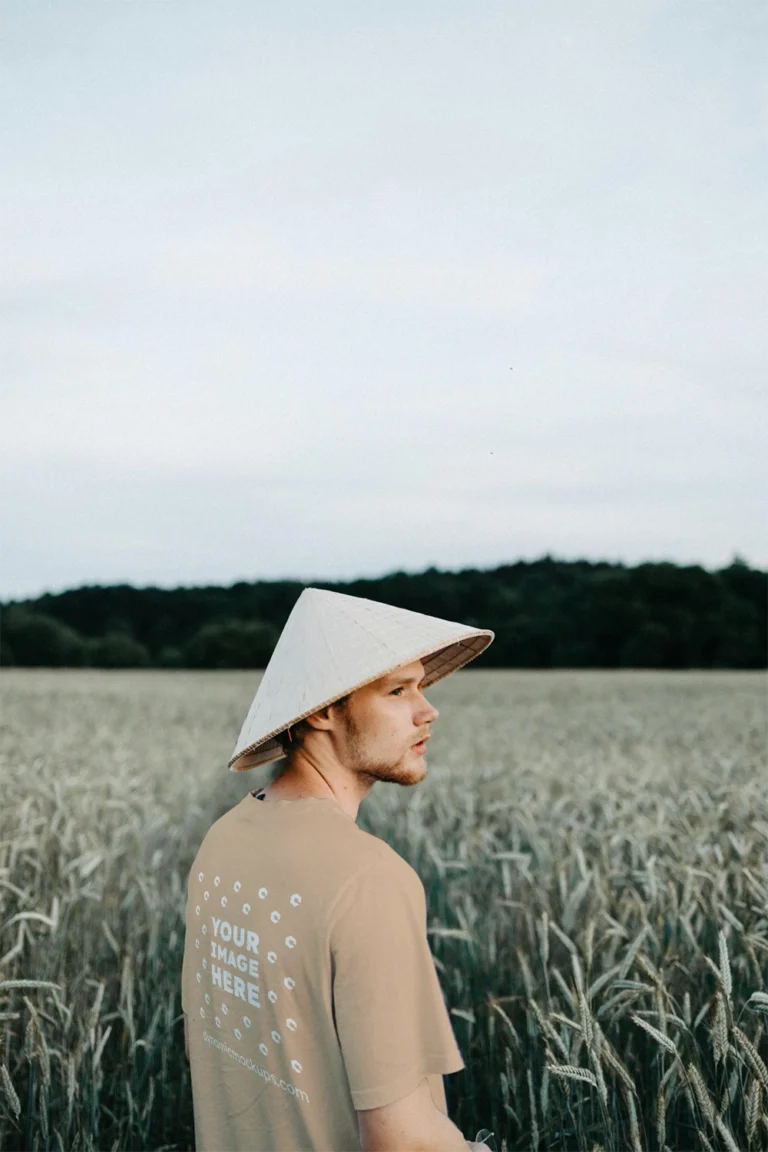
point(409, 771)
point(414, 773)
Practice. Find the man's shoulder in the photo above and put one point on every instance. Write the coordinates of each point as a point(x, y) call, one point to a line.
point(378, 852)
point(236, 813)
point(222, 828)
point(380, 865)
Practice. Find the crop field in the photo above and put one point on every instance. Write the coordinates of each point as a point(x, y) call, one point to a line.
point(594, 849)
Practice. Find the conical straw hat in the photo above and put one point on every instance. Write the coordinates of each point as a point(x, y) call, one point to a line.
point(333, 644)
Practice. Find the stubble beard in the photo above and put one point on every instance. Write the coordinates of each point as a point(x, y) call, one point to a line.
point(391, 771)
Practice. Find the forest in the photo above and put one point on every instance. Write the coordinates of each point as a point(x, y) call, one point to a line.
point(546, 613)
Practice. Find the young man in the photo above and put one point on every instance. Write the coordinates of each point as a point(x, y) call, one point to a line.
point(313, 1015)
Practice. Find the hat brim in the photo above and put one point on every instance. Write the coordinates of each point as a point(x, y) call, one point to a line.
point(439, 662)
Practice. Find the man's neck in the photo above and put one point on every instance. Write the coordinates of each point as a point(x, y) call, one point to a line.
point(300, 781)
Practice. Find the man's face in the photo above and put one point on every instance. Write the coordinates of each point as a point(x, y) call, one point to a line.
point(381, 724)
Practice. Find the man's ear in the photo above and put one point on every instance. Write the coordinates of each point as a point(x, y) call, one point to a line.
point(321, 719)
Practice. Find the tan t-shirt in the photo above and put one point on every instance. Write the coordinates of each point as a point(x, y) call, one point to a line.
point(307, 980)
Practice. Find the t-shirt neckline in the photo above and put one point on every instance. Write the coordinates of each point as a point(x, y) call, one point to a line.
point(328, 800)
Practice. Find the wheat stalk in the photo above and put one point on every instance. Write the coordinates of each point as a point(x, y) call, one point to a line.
point(544, 939)
point(634, 1129)
point(10, 1091)
point(719, 1029)
point(602, 1088)
point(753, 1056)
point(661, 1118)
point(532, 1101)
point(544, 1094)
point(42, 1112)
point(725, 965)
point(586, 1020)
point(28, 984)
point(659, 1037)
point(613, 1062)
point(758, 1002)
point(702, 1095)
point(571, 1072)
point(752, 1108)
point(726, 1135)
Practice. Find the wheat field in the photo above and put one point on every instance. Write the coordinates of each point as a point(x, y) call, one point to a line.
point(594, 848)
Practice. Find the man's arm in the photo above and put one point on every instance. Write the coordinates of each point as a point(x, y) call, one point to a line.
point(412, 1123)
point(186, 1036)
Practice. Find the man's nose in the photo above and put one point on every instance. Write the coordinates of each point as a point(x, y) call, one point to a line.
point(430, 715)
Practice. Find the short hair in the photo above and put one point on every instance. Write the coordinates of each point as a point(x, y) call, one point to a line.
point(300, 729)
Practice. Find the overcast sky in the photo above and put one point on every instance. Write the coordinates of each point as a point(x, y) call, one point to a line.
point(324, 290)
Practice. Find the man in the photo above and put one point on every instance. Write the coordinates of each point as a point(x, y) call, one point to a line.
point(313, 1015)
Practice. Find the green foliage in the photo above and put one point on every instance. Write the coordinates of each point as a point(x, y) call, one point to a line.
point(231, 644)
point(118, 650)
point(546, 613)
point(170, 657)
point(648, 647)
point(7, 655)
point(35, 640)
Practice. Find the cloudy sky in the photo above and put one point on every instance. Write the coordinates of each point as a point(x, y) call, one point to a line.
point(324, 290)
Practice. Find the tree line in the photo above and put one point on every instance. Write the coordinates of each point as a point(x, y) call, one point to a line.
point(546, 613)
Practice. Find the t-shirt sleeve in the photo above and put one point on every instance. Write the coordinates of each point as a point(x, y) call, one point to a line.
point(391, 1019)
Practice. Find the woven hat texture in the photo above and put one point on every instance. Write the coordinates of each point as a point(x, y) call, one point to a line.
point(333, 644)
